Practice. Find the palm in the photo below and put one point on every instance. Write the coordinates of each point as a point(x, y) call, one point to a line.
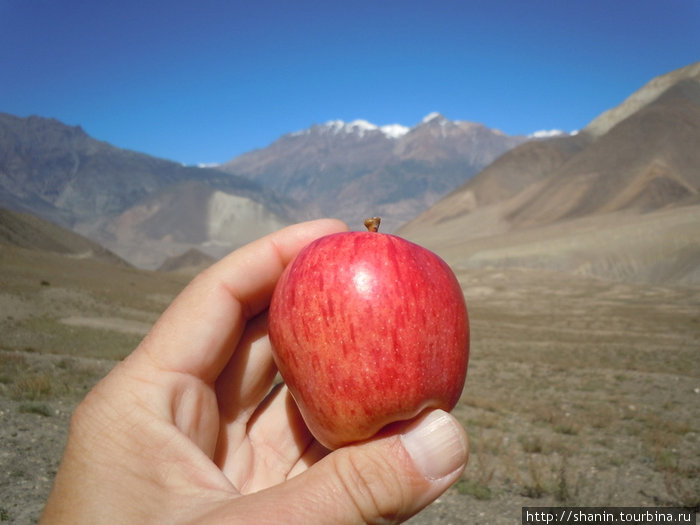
point(253, 436)
point(262, 439)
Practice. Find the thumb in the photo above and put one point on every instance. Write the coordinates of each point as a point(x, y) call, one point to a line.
point(387, 479)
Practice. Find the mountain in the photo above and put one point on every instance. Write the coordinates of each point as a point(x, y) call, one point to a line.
point(143, 208)
point(147, 209)
point(191, 262)
point(651, 91)
point(357, 169)
point(620, 199)
point(185, 215)
point(27, 231)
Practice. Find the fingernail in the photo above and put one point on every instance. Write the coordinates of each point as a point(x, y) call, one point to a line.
point(436, 445)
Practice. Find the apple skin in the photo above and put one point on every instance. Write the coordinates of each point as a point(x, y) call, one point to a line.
point(368, 329)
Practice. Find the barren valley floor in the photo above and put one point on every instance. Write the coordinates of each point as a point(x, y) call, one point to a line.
point(580, 391)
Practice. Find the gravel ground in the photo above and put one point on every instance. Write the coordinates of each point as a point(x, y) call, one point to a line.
point(580, 391)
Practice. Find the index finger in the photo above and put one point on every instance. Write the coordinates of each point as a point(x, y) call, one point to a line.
point(198, 332)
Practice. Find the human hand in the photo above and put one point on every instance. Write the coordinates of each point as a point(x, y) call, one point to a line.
point(187, 428)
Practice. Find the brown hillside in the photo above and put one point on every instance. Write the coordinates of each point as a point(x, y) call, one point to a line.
point(640, 98)
point(648, 161)
point(519, 168)
point(30, 232)
point(594, 204)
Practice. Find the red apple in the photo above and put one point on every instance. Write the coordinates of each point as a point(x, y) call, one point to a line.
point(368, 329)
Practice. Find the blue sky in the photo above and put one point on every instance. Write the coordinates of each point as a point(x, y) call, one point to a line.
point(203, 81)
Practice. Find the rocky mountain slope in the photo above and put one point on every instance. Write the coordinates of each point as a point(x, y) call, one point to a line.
point(27, 231)
point(147, 209)
point(189, 214)
point(143, 208)
point(637, 100)
point(620, 199)
point(353, 170)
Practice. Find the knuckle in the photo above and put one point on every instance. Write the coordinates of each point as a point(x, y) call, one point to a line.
point(377, 490)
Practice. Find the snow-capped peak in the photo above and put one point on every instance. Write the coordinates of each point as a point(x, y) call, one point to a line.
point(546, 133)
point(394, 131)
point(549, 133)
point(358, 126)
point(361, 127)
point(432, 116)
point(362, 124)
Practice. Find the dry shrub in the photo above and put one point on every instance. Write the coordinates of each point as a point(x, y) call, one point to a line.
point(544, 413)
point(485, 453)
point(531, 443)
point(32, 387)
point(534, 487)
point(11, 365)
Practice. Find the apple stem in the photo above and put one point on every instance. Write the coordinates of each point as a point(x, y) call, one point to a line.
point(372, 224)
